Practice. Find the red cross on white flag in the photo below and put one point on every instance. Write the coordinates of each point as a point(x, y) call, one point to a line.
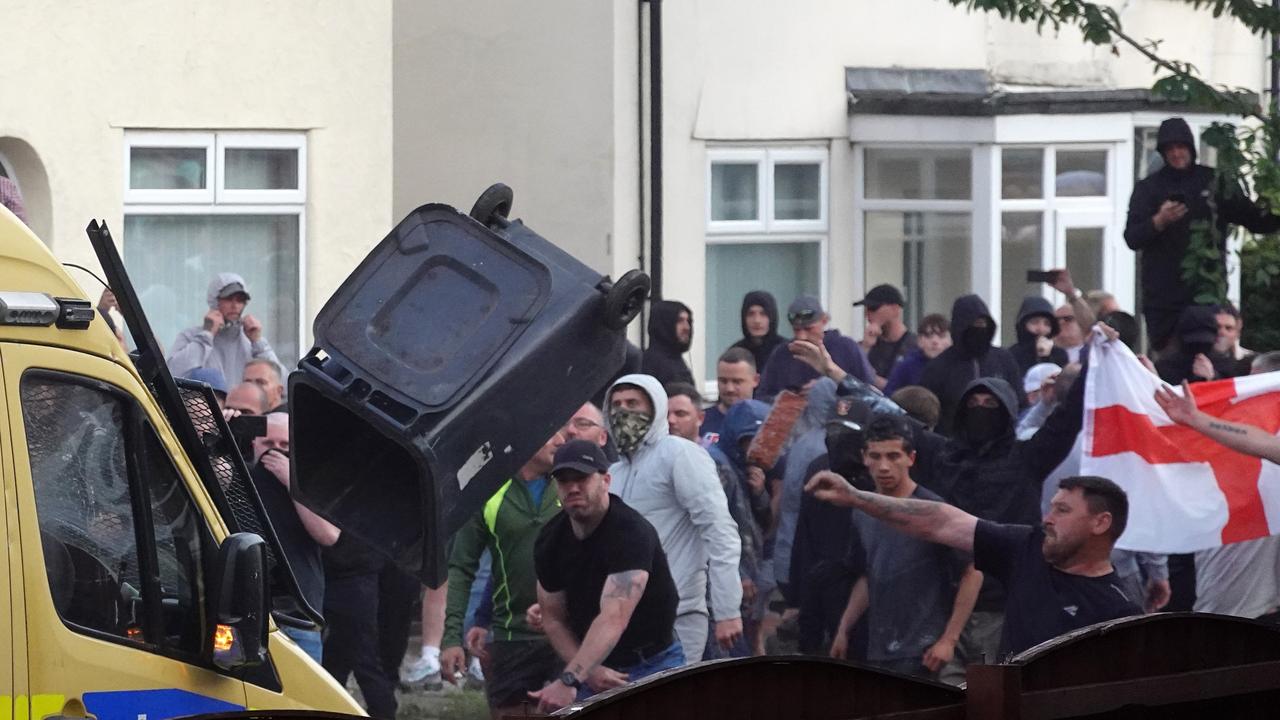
point(1186, 491)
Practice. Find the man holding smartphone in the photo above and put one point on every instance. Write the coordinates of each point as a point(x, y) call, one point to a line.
point(1162, 209)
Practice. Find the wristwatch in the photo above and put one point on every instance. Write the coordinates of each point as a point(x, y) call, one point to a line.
point(570, 680)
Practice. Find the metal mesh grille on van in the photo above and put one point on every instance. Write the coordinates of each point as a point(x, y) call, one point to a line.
point(237, 489)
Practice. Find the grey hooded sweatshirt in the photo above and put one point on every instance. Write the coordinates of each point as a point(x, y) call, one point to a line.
point(673, 482)
point(227, 352)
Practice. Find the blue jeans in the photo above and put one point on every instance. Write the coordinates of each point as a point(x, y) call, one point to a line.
point(671, 657)
point(308, 640)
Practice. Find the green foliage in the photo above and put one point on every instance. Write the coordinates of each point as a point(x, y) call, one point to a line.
point(1260, 305)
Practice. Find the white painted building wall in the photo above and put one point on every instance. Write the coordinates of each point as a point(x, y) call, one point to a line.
point(78, 75)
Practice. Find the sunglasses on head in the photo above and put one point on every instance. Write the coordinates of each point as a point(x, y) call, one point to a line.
point(803, 319)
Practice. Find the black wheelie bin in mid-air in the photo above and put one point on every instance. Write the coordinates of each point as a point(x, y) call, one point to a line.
point(441, 365)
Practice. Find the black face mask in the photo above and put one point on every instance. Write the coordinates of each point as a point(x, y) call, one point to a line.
point(976, 341)
point(983, 424)
point(844, 448)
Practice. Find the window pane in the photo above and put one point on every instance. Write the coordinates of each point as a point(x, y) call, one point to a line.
point(1021, 173)
point(735, 191)
point(784, 269)
point(167, 168)
point(182, 550)
point(76, 446)
point(261, 169)
point(925, 253)
point(797, 192)
point(903, 174)
point(1021, 243)
point(172, 259)
point(1146, 160)
point(1081, 173)
point(1084, 256)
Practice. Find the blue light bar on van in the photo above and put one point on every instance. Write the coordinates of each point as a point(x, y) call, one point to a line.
point(27, 308)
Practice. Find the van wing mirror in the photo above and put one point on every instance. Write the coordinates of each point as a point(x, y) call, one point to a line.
point(239, 608)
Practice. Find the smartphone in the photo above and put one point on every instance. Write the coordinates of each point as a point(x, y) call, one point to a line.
point(1178, 198)
point(1044, 276)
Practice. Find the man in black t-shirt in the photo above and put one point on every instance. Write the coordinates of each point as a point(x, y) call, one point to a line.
point(886, 339)
point(608, 601)
point(1058, 578)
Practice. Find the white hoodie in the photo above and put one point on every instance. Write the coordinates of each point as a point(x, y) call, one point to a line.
point(673, 483)
point(227, 352)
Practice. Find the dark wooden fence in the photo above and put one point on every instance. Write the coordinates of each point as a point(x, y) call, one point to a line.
point(1176, 665)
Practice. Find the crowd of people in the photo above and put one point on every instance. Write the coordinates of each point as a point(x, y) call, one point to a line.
point(922, 513)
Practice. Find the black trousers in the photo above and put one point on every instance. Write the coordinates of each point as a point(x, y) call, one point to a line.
point(368, 617)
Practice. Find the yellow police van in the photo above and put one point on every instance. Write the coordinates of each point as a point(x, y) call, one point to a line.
point(135, 580)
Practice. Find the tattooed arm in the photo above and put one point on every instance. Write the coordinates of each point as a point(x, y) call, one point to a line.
point(933, 521)
point(618, 600)
point(1240, 437)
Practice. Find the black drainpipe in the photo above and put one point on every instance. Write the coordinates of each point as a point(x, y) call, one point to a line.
point(655, 147)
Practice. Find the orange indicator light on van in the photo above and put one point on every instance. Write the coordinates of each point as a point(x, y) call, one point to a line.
point(223, 638)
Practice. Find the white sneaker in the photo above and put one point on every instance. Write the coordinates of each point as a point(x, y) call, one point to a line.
point(421, 669)
point(475, 676)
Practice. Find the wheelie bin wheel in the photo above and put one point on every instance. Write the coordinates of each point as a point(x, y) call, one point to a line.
point(625, 298)
point(494, 205)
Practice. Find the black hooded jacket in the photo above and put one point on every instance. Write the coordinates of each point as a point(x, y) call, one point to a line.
point(1024, 351)
point(760, 347)
point(1164, 293)
point(662, 359)
point(949, 374)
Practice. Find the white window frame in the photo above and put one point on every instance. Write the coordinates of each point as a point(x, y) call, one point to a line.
point(241, 202)
point(169, 140)
point(267, 141)
point(863, 205)
point(765, 159)
point(765, 230)
point(1054, 211)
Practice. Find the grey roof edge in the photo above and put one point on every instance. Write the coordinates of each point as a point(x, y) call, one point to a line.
point(927, 91)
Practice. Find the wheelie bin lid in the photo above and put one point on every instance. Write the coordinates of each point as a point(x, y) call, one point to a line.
point(386, 320)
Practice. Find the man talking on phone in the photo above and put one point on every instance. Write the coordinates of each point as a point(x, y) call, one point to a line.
point(1162, 209)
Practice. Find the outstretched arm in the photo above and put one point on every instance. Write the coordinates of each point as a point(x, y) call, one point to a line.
point(1246, 439)
point(933, 521)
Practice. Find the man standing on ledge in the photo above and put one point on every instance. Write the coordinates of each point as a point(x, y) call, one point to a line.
point(607, 597)
point(1162, 208)
point(1058, 578)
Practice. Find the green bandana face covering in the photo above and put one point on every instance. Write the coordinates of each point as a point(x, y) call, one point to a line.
point(629, 428)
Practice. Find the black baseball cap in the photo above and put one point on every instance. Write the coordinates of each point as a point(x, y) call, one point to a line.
point(581, 456)
point(882, 295)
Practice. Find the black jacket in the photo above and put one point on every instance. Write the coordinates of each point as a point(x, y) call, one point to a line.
point(1024, 351)
point(761, 347)
point(999, 480)
point(949, 374)
point(662, 359)
point(1164, 293)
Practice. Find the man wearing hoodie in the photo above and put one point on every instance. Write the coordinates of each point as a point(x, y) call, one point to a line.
point(970, 358)
point(670, 334)
point(759, 326)
point(1036, 328)
point(673, 483)
point(1162, 210)
point(785, 371)
point(228, 338)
